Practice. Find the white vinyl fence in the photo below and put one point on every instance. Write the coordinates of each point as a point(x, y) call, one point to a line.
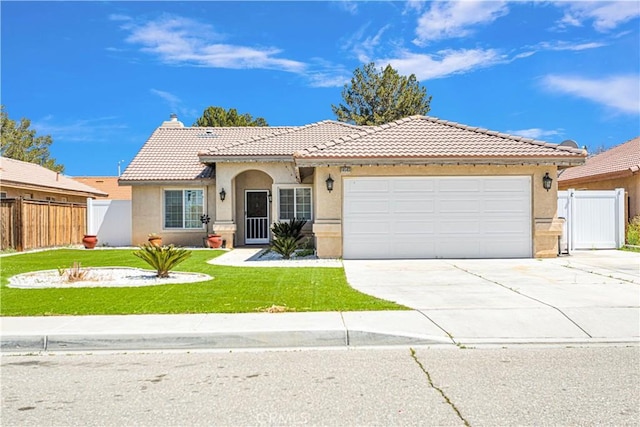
point(110, 220)
point(593, 219)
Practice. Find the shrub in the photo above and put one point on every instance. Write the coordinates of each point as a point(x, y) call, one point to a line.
point(284, 246)
point(284, 229)
point(633, 231)
point(162, 258)
point(286, 236)
point(75, 273)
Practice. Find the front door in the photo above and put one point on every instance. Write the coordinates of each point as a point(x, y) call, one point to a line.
point(256, 205)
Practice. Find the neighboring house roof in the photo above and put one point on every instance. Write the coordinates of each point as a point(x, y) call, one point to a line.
point(16, 173)
point(283, 144)
point(428, 138)
point(622, 160)
point(108, 184)
point(171, 152)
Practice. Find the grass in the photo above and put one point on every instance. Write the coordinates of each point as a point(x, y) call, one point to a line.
point(233, 289)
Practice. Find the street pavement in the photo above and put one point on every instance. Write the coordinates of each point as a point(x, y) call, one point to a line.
point(590, 297)
point(519, 386)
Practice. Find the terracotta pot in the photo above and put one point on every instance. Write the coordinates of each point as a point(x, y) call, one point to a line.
point(214, 240)
point(155, 241)
point(90, 241)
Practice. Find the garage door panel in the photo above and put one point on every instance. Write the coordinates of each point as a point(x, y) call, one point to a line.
point(413, 186)
point(370, 207)
point(414, 227)
point(462, 206)
point(437, 217)
point(458, 185)
point(413, 206)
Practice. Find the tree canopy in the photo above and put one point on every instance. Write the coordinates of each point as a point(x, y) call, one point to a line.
point(375, 97)
point(219, 117)
point(21, 143)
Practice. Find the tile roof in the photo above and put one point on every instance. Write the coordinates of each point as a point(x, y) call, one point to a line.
point(23, 173)
point(108, 184)
point(284, 143)
point(171, 153)
point(428, 137)
point(623, 159)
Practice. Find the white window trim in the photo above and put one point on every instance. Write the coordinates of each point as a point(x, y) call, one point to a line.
point(276, 198)
point(164, 206)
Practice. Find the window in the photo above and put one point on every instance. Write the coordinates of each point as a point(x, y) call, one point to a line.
point(294, 203)
point(3, 195)
point(182, 208)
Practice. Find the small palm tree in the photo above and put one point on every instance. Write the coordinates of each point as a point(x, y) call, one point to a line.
point(162, 258)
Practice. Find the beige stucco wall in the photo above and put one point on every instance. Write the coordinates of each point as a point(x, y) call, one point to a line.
point(328, 225)
point(235, 178)
point(13, 192)
point(631, 185)
point(148, 212)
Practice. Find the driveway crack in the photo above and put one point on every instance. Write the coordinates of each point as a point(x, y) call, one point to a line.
point(438, 389)
point(526, 296)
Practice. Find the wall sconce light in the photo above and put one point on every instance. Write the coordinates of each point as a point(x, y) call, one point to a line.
point(223, 195)
point(269, 197)
point(329, 183)
point(546, 181)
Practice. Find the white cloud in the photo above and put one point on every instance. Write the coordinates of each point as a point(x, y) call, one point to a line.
point(99, 129)
point(364, 49)
point(183, 41)
point(562, 45)
point(620, 93)
point(606, 15)
point(452, 19)
point(175, 103)
point(535, 133)
point(443, 63)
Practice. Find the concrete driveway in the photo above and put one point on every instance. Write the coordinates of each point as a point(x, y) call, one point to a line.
point(588, 296)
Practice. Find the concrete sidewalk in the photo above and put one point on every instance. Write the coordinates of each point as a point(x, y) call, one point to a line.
point(590, 298)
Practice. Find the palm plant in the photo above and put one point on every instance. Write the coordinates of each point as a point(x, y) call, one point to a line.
point(162, 258)
point(286, 236)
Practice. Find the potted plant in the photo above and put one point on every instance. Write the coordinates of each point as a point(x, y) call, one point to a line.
point(155, 239)
point(90, 241)
point(213, 240)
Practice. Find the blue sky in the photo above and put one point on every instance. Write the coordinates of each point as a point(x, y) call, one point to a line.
point(99, 77)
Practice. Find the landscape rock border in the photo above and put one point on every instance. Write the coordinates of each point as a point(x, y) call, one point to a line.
point(103, 277)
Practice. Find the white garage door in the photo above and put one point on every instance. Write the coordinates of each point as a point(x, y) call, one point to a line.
point(437, 217)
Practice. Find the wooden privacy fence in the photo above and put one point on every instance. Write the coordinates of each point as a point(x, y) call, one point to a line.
point(30, 224)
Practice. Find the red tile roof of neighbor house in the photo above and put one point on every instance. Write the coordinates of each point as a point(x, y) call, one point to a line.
point(171, 153)
point(426, 137)
point(30, 175)
point(108, 184)
point(618, 161)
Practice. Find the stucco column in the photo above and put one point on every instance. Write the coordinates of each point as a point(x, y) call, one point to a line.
point(224, 224)
point(547, 227)
point(327, 226)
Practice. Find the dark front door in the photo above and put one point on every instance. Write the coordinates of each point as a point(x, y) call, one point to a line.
point(256, 230)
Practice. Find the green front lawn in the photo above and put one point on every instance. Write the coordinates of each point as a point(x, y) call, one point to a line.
point(233, 289)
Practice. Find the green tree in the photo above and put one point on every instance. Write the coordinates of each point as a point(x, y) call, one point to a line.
point(219, 117)
point(375, 97)
point(21, 143)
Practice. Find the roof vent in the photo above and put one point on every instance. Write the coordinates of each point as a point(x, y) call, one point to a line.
point(208, 133)
point(173, 117)
point(569, 143)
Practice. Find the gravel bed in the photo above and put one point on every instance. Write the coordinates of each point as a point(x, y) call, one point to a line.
point(102, 277)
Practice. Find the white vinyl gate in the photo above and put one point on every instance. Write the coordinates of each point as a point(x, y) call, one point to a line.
point(110, 220)
point(593, 219)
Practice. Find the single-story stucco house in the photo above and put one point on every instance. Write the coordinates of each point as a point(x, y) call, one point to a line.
point(418, 187)
point(618, 167)
point(26, 180)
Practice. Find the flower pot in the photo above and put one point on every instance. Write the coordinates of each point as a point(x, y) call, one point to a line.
point(90, 241)
point(214, 240)
point(155, 241)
